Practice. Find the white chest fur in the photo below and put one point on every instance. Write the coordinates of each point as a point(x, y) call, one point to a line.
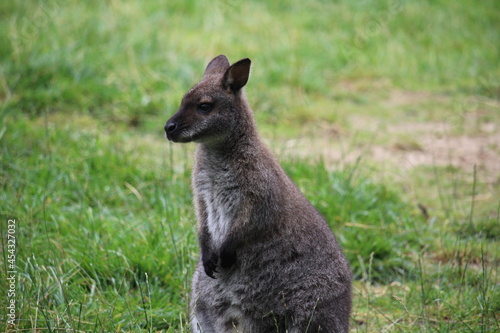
point(220, 197)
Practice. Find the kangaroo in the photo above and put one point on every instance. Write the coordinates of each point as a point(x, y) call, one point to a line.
point(269, 262)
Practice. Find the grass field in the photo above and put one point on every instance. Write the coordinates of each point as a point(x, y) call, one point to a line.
point(385, 113)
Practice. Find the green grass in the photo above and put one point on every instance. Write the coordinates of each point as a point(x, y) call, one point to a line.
point(106, 233)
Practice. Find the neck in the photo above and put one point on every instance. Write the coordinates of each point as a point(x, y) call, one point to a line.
point(240, 140)
point(237, 144)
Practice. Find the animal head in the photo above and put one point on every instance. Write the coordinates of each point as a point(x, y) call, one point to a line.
point(211, 110)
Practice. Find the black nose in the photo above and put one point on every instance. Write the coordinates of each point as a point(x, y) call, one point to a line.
point(170, 126)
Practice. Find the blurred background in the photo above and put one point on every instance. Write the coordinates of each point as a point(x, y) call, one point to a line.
point(386, 114)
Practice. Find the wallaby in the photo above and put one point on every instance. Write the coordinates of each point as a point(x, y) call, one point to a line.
point(269, 262)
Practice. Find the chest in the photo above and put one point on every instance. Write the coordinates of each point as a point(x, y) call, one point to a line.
point(219, 196)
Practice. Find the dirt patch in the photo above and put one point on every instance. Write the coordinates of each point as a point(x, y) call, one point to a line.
point(411, 144)
point(433, 146)
point(437, 147)
point(401, 97)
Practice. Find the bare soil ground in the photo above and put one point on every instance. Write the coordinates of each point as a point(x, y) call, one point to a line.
point(410, 143)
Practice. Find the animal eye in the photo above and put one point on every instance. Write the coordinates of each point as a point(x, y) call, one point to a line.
point(205, 107)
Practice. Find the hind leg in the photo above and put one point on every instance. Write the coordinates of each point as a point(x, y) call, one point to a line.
point(201, 318)
point(223, 318)
point(231, 320)
point(212, 310)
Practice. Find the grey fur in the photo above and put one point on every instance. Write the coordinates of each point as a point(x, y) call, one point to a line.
point(269, 262)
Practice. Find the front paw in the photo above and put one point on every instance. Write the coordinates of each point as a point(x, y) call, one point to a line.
point(227, 258)
point(210, 264)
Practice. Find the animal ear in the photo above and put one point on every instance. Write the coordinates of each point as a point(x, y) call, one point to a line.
point(217, 65)
point(236, 75)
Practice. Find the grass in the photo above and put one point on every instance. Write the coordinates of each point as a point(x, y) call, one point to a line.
point(106, 236)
